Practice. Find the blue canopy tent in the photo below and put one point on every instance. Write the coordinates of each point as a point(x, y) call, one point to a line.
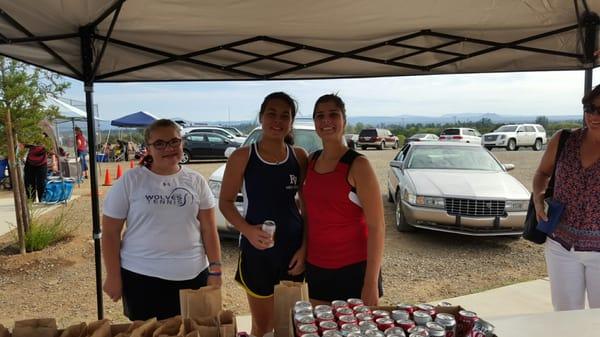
point(136, 119)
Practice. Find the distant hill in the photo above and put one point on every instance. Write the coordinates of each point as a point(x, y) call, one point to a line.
point(467, 117)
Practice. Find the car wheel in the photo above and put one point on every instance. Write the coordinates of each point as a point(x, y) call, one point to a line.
point(401, 224)
point(512, 145)
point(381, 146)
point(395, 145)
point(186, 157)
point(489, 148)
point(537, 145)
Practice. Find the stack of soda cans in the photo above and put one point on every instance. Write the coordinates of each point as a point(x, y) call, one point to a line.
point(353, 319)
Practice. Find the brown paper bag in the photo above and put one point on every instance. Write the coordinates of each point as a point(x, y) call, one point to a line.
point(99, 329)
point(203, 302)
point(208, 326)
point(77, 330)
point(43, 327)
point(168, 327)
point(285, 296)
point(189, 328)
point(4, 331)
point(227, 324)
point(146, 329)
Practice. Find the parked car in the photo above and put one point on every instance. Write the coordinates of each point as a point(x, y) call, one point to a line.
point(516, 135)
point(234, 131)
point(464, 135)
point(457, 188)
point(214, 129)
point(377, 138)
point(205, 145)
point(305, 136)
point(422, 137)
point(351, 140)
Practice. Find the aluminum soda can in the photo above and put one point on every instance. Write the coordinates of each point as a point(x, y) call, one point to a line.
point(338, 304)
point(406, 324)
point(269, 226)
point(304, 319)
point(361, 309)
point(367, 325)
point(418, 331)
point(465, 322)
point(406, 306)
point(421, 317)
point(445, 304)
point(332, 333)
point(430, 309)
point(400, 314)
point(311, 335)
point(323, 308)
point(361, 316)
point(482, 328)
point(374, 333)
point(347, 328)
point(325, 316)
point(354, 334)
point(305, 329)
point(327, 325)
point(353, 302)
point(394, 331)
point(343, 311)
point(448, 322)
point(380, 313)
point(346, 319)
point(435, 329)
point(384, 323)
point(398, 335)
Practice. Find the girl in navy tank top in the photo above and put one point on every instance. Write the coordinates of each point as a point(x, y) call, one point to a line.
point(344, 212)
point(269, 174)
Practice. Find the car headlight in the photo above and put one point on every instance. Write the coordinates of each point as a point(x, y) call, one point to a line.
point(516, 205)
point(423, 201)
point(215, 187)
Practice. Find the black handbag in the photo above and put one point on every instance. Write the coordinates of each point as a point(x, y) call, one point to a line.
point(530, 231)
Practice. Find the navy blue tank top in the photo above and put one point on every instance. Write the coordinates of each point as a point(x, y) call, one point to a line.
point(269, 191)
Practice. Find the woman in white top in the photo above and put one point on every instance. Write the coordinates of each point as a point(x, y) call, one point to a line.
point(170, 241)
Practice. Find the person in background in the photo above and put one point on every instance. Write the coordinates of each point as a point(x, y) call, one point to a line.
point(82, 151)
point(35, 171)
point(344, 212)
point(270, 173)
point(170, 241)
point(573, 250)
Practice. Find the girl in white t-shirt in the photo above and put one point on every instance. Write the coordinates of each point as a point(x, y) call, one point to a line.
point(170, 241)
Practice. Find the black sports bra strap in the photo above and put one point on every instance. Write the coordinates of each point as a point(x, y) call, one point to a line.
point(349, 156)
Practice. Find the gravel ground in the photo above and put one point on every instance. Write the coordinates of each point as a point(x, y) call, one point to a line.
point(419, 266)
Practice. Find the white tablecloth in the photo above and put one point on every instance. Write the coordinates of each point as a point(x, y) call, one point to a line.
point(580, 323)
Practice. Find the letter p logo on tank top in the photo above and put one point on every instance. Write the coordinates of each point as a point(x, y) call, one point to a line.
point(293, 185)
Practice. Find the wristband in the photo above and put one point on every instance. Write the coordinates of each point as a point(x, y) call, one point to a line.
point(217, 263)
point(216, 273)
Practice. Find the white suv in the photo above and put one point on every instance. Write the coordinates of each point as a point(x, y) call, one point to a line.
point(463, 135)
point(305, 136)
point(514, 136)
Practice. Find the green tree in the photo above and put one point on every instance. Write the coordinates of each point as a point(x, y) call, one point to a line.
point(542, 120)
point(23, 91)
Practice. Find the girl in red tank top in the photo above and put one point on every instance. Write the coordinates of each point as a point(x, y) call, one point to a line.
point(344, 212)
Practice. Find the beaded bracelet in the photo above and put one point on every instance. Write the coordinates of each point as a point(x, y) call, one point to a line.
point(216, 273)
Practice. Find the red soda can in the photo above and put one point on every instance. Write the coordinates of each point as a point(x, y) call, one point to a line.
point(394, 331)
point(361, 308)
point(421, 317)
point(343, 311)
point(305, 329)
point(327, 325)
point(338, 304)
point(332, 333)
point(380, 313)
point(384, 323)
point(374, 333)
point(406, 306)
point(418, 331)
point(345, 319)
point(482, 328)
point(465, 322)
point(435, 329)
point(354, 302)
point(406, 324)
point(364, 317)
point(430, 309)
point(448, 322)
point(347, 328)
point(323, 308)
point(367, 325)
point(400, 314)
point(325, 317)
point(304, 319)
point(311, 335)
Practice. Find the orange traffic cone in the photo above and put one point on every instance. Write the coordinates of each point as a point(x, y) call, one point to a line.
point(107, 181)
point(119, 171)
point(131, 164)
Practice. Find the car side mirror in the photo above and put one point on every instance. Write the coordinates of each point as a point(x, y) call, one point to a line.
point(509, 167)
point(397, 164)
point(229, 151)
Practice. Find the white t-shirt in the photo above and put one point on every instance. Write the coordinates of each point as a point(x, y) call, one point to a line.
point(162, 236)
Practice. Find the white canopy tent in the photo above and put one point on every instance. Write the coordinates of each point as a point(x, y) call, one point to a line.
point(162, 40)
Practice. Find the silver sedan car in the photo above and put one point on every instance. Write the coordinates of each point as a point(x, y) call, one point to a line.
point(457, 188)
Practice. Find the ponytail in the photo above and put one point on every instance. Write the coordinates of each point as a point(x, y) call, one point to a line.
point(146, 161)
point(289, 139)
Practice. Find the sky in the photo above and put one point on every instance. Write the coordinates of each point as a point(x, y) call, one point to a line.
point(531, 93)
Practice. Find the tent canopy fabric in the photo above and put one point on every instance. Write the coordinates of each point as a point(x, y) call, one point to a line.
point(136, 119)
point(161, 40)
point(65, 111)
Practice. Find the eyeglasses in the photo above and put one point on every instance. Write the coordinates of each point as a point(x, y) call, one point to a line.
point(592, 109)
point(161, 144)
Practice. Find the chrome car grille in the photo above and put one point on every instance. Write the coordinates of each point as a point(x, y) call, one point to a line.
point(472, 207)
point(490, 138)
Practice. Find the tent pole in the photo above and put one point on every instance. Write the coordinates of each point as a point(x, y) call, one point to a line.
point(87, 62)
point(590, 22)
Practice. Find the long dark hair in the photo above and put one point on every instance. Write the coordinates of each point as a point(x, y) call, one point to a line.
point(337, 100)
point(289, 138)
point(158, 124)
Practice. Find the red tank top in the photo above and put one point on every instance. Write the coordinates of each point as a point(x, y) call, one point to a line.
point(337, 229)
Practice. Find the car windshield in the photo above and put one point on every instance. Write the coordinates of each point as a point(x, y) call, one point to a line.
point(507, 128)
point(306, 139)
point(451, 132)
point(452, 158)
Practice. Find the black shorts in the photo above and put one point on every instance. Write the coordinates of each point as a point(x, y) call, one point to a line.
point(259, 271)
point(338, 284)
point(146, 297)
